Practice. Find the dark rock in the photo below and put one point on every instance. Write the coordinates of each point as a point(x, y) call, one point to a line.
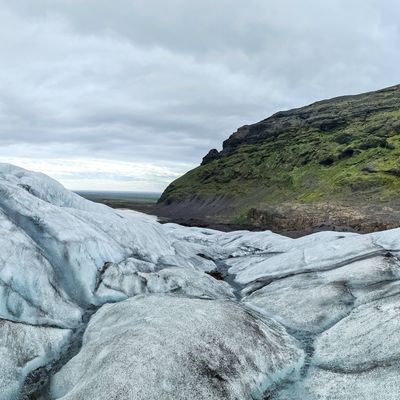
point(343, 138)
point(332, 124)
point(390, 146)
point(346, 153)
point(372, 142)
point(393, 171)
point(212, 155)
point(327, 161)
point(216, 275)
point(369, 169)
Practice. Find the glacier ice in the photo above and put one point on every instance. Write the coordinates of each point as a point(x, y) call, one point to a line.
point(152, 347)
point(128, 280)
point(97, 303)
point(23, 349)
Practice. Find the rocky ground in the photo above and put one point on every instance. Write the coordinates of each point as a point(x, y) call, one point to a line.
point(289, 219)
point(101, 304)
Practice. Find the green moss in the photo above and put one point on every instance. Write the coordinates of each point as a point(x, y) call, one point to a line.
point(241, 219)
point(292, 168)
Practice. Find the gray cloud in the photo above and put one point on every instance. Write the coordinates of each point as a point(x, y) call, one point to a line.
point(161, 82)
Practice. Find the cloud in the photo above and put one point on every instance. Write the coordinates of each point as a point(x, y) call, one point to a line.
point(98, 174)
point(160, 82)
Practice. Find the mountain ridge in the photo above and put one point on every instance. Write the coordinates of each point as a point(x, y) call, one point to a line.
point(341, 153)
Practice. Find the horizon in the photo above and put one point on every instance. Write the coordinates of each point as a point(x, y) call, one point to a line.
point(115, 191)
point(131, 95)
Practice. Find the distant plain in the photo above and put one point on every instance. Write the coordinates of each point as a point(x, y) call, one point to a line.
point(140, 201)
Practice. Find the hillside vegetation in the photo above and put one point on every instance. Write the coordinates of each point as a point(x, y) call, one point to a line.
point(344, 151)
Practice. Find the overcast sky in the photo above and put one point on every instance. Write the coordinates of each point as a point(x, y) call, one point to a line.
point(129, 94)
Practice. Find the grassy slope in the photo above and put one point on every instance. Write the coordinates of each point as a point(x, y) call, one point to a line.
point(365, 157)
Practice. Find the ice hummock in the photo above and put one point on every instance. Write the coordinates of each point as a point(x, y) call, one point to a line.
point(185, 313)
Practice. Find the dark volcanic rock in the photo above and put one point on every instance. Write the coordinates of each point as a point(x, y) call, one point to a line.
point(212, 155)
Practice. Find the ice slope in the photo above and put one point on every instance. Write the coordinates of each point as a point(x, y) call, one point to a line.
point(162, 347)
point(23, 349)
point(54, 248)
point(195, 313)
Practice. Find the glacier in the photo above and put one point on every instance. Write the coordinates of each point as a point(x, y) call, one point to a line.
point(97, 303)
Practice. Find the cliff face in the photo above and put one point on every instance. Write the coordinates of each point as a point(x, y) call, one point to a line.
point(336, 162)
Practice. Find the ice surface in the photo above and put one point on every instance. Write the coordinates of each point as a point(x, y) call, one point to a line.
point(380, 383)
point(28, 283)
point(131, 278)
point(367, 337)
point(303, 302)
point(196, 313)
point(315, 301)
point(317, 257)
point(161, 347)
point(24, 348)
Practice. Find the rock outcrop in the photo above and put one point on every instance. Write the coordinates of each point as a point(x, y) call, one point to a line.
point(104, 304)
point(212, 155)
point(322, 165)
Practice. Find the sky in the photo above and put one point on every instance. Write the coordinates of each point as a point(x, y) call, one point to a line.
point(130, 94)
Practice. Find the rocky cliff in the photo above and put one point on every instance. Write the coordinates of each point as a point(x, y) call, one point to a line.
point(335, 164)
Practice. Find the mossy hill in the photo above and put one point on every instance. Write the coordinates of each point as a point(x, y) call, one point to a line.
point(337, 154)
